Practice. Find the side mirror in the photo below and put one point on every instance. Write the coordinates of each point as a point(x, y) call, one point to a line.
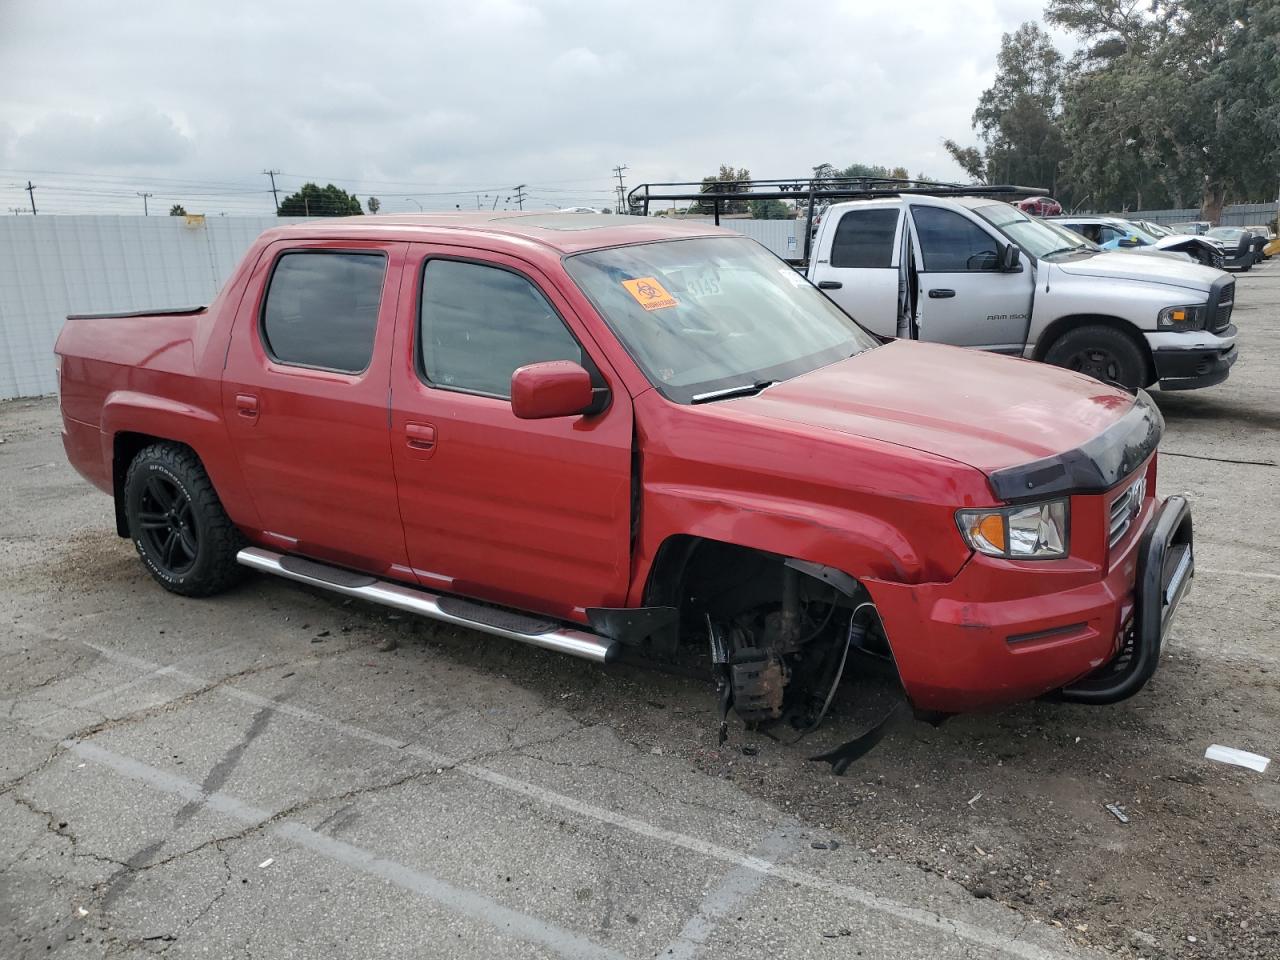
point(554, 388)
point(1010, 258)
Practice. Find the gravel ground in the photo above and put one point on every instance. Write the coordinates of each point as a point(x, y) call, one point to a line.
point(253, 776)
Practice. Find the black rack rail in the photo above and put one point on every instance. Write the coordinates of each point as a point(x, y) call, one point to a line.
point(812, 191)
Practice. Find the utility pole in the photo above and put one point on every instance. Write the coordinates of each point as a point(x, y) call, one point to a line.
point(622, 190)
point(272, 175)
point(31, 189)
point(519, 189)
point(144, 196)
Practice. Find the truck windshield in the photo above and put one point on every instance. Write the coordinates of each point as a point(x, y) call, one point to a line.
point(714, 317)
point(1039, 239)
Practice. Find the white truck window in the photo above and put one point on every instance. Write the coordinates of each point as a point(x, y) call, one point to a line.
point(864, 238)
point(950, 243)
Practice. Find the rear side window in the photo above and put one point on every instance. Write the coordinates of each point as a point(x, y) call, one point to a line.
point(478, 323)
point(864, 238)
point(951, 243)
point(322, 309)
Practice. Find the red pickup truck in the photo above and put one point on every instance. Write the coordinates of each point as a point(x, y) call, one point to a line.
point(601, 433)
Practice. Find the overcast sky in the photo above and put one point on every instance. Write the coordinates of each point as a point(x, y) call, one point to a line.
point(410, 100)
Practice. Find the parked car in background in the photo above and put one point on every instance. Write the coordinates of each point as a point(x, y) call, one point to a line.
point(1115, 233)
point(1195, 227)
point(1242, 248)
point(598, 433)
point(1040, 206)
point(977, 272)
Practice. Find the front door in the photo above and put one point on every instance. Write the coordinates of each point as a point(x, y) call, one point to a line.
point(963, 297)
point(304, 396)
point(534, 514)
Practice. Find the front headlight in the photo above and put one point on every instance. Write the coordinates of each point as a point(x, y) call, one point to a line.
point(1036, 531)
point(1190, 317)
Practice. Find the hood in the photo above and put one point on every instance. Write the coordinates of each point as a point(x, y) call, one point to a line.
point(988, 411)
point(1118, 265)
point(1176, 239)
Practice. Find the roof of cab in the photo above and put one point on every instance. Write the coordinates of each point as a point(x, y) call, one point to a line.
point(563, 232)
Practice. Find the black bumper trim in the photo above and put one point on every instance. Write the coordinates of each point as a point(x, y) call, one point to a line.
point(1166, 564)
point(1189, 369)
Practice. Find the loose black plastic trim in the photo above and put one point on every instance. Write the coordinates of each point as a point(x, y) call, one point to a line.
point(630, 625)
point(163, 312)
point(1093, 467)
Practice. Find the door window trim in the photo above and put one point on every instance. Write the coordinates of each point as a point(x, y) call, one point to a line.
point(419, 368)
point(895, 249)
point(265, 341)
point(915, 236)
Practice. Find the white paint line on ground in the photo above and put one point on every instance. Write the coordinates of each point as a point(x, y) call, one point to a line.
point(730, 895)
point(470, 904)
point(927, 919)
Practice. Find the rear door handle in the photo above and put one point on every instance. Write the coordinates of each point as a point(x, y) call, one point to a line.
point(420, 436)
point(941, 294)
point(829, 284)
point(247, 405)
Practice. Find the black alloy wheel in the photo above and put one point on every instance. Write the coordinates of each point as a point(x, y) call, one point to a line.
point(167, 525)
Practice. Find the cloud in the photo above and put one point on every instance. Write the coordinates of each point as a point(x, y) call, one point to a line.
point(400, 96)
point(142, 136)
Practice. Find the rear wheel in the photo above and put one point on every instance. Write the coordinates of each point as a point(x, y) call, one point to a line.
point(1103, 353)
point(185, 539)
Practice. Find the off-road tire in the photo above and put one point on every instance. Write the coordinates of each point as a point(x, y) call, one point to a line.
point(187, 542)
point(1103, 353)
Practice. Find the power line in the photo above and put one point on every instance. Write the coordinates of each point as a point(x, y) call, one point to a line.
point(144, 196)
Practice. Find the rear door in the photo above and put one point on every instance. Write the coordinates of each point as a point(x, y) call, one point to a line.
point(534, 514)
point(964, 298)
point(305, 400)
point(857, 264)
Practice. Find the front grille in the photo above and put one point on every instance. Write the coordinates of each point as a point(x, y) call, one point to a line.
point(1220, 313)
point(1124, 508)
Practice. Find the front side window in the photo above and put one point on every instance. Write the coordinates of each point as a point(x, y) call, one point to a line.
point(321, 309)
point(864, 238)
point(951, 243)
point(714, 313)
point(478, 323)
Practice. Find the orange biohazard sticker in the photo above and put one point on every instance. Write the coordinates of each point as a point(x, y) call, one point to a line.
point(649, 293)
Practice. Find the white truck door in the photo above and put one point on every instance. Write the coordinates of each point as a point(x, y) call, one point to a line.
point(856, 264)
point(964, 298)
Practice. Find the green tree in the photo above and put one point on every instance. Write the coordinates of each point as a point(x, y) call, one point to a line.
point(314, 201)
point(768, 210)
point(374, 204)
point(1182, 98)
point(177, 210)
point(1019, 117)
point(724, 182)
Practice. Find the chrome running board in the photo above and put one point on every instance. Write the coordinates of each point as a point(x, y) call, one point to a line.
point(509, 624)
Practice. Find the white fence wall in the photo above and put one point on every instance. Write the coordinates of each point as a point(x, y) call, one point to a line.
point(783, 237)
point(1233, 215)
point(51, 266)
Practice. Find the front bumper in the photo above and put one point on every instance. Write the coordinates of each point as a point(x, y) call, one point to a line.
point(1052, 626)
point(1188, 361)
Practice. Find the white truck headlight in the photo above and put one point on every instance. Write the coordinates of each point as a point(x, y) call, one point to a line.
point(1190, 317)
point(1035, 531)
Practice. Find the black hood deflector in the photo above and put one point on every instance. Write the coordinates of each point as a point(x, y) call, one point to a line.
point(1093, 467)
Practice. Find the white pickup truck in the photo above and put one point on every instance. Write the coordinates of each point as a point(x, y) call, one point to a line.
point(978, 272)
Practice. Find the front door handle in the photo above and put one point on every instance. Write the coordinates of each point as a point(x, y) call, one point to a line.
point(941, 294)
point(829, 284)
point(247, 405)
point(420, 437)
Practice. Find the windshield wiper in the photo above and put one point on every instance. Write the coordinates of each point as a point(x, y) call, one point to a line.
point(1054, 253)
point(741, 390)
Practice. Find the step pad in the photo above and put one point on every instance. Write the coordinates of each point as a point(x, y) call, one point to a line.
point(496, 617)
point(322, 571)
